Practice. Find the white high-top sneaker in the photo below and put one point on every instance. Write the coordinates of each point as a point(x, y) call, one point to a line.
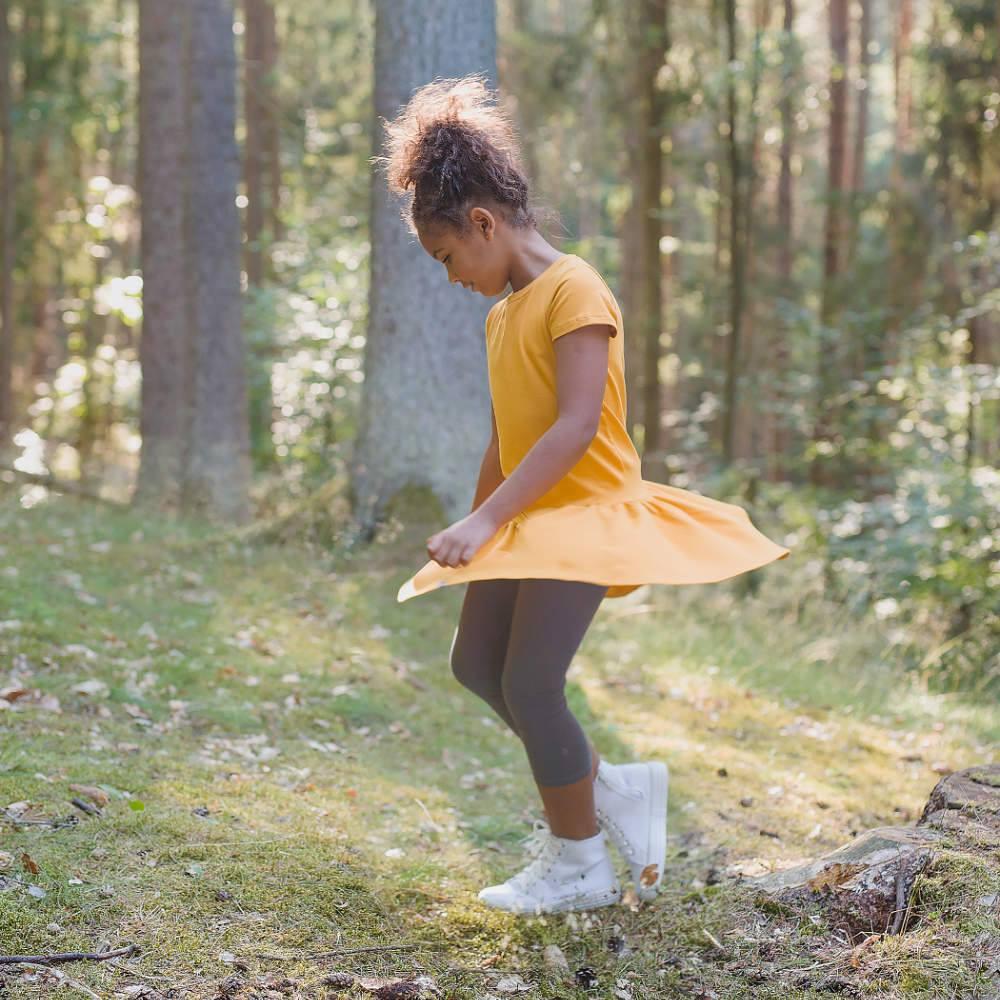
point(631, 805)
point(564, 875)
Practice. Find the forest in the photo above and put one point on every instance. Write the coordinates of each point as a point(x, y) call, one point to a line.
point(237, 396)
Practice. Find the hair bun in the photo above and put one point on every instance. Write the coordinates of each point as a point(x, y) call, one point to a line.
point(451, 143)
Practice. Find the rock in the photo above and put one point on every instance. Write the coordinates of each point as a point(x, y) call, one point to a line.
point(864, 886)
point(972, 794)
point(555, 958)
point(861, 887)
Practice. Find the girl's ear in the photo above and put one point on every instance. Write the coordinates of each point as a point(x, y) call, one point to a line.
point(484, 222)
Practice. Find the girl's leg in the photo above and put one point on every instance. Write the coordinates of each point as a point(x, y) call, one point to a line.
point(479, 648)
point(550, 618)
point(480, 642)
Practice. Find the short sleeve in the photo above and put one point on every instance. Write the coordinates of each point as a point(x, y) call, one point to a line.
point(489, 317)
point(580, 299)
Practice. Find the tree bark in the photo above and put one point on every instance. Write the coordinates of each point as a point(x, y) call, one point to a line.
point(259, 170)
point(164, 349)
point(902, 147)
point(829, 364)
point(780, 437)
point(857, 181)
point(7, 193)
point(736, 245)
point(650, 111)
point(748, 444)
point(425, 409)
point(217, 474)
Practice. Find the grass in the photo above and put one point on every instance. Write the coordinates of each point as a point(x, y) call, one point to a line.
point(291, 769)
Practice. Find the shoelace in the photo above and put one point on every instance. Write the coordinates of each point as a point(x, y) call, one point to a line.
point(541, 843)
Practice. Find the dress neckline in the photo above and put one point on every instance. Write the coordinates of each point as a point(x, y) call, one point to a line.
point(538, 277)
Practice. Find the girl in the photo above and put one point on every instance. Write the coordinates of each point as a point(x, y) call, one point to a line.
point(561, 517)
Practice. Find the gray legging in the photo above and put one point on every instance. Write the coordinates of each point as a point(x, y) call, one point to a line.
point(514, 643)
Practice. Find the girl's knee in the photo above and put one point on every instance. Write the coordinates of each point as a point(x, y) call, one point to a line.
point(470, 665)
point(528, 700)
point(457, 660)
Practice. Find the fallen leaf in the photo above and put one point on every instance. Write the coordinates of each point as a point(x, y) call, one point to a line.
point(649, 875)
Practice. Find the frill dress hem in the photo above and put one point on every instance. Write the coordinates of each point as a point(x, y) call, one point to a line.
point(664, 535)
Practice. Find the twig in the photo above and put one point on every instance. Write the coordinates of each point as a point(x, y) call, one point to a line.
point(711, 937)
point(436, 826)
point(69, 956)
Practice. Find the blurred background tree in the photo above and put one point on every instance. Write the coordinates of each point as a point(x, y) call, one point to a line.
point(796, 203)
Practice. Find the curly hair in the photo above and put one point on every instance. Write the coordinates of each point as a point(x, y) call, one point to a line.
point(454, 145)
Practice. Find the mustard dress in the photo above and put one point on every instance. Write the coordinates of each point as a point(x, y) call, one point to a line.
point(602, 522)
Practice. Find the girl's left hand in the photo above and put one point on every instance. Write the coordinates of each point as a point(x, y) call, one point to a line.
point(459, 542)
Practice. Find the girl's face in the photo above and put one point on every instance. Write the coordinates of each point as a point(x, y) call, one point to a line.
point(472, 260)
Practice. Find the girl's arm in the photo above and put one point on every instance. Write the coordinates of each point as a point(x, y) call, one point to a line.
point(581, 376)
point(490, 473)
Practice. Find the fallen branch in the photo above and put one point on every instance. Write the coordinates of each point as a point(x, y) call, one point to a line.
point(68, 956)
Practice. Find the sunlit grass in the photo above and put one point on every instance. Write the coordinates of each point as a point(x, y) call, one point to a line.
point(293, 769)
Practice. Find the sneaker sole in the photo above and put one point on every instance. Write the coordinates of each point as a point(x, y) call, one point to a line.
point(582, 901)
point(656, 848)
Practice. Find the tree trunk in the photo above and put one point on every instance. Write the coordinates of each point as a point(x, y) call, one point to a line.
point(829, 364)
point(736, 246)
point(217, 473)
point(164, 350)
point(630, 239)
point(521, 24)
point(650, 112)
point(902, 147)
point(749, 432)
point(253, 148)
point(594, 128)
point(258, 167)
point(425, 358)
point(269, 47)
point(6, 237)
point(780, 437)
point(857, 181)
